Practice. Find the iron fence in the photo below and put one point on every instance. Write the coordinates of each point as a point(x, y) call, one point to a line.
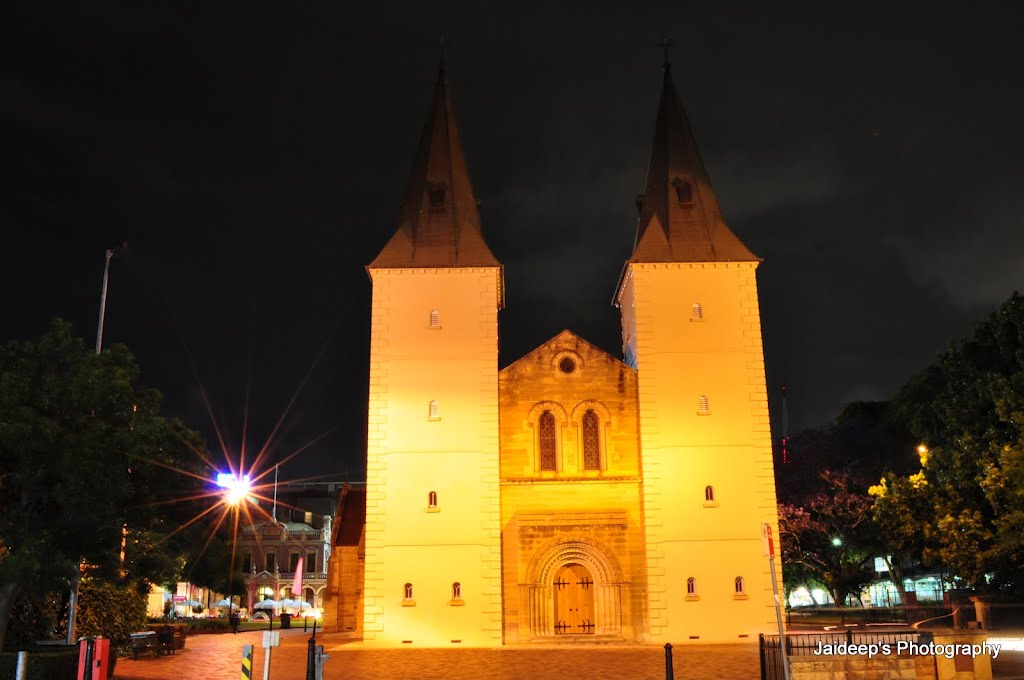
point(806, 644)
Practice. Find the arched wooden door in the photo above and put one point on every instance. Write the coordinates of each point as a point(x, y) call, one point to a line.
point(574, 600)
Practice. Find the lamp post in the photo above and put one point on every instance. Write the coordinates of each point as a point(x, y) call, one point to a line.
point(111, 251)
point(77, 577)
point(235, 491)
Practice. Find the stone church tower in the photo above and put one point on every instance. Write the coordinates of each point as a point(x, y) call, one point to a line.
point(570, 496)
point(691, 327)
point(432, 519)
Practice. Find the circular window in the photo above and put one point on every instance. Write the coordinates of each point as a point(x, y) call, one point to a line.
point(567, 365)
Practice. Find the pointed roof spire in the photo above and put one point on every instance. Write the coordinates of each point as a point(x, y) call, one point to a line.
point(439, 222)
point(680, 220)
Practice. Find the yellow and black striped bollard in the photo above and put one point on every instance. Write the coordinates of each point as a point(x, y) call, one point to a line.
point(246, 662)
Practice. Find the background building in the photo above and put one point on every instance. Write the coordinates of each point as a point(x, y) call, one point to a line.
point(300, 526)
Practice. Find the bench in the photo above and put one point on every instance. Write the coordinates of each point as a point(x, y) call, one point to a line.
point(145, 642)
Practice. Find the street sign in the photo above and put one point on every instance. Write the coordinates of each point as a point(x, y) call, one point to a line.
point(271, 639)
point(767, 540)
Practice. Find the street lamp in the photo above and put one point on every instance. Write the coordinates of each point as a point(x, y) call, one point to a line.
point(77, 577)
point(111, 251)
point(236, 490)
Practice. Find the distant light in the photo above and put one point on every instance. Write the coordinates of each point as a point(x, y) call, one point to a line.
point(235, 489)
point(837, 541)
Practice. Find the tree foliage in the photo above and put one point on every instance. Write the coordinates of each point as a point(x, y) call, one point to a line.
point(968, 407)
point(84, 457)
point(830, 537)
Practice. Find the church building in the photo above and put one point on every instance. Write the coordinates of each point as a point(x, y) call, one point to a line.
point(571, 495)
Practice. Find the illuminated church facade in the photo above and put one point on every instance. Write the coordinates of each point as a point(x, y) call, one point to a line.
point(572, 495)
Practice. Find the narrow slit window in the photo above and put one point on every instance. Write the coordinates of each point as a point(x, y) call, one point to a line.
point(691, 586)
point(739, 585)
point(435, 410)
point(696, 312)
point(546, 433)
point(432, 499)
point(435, 318)
point(438, 193)
point(408, 591)
point(709, 494)
point(703, 405)
point(591, 441)
point(456, 591)
point(684, 191)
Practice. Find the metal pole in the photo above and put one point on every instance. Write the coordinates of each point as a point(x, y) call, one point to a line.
point(266, 664)
point(102, 301)
point(22, 671)
point(669, 672)
point(73, 605)
point(778, 618)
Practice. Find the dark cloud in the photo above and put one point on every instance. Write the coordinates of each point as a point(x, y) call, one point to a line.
point(254, 157)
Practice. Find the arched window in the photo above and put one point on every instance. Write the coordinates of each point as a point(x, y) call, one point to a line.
point(739, 585)
point(703, 405)
point(408, 591)
point(246, 562)
point(271, 561)
point(456, 591)
point(691, 586)
point(310, 566)
point(591, 441)
point(696, 312)
point(434, 410)
point(709, 494)
point(546, 433)
point(293, 561)
point(432, 499)
point(435, 318)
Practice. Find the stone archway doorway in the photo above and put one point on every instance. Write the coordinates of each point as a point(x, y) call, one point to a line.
point(574, 601)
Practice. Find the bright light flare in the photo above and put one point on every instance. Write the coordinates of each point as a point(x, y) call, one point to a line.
point(235, 488)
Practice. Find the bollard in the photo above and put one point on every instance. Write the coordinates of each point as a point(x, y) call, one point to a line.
point(270, 618)
point(305, 621)
point(85, 658)
point(321, 659)
point(311, 659)
point(669, 673)
point(22, 671)
point(246, 662)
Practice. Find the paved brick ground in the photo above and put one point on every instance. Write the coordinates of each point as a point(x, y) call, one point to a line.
point(218, 657)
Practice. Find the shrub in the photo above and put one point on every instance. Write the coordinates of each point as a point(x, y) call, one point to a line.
point(112, 610)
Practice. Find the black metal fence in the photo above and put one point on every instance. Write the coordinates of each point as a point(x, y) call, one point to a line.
point(806, 644)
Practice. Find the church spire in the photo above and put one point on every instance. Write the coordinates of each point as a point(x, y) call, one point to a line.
point(680, 220)
point(439, 223)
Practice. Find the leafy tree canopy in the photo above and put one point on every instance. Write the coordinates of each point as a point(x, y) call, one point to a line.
point(84, 456)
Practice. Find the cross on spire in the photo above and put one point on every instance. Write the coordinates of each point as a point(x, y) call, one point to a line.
point(666, 44)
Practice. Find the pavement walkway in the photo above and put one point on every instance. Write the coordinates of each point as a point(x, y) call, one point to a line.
point(217, 657)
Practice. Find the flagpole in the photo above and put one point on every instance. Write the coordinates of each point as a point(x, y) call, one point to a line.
point(276, 469)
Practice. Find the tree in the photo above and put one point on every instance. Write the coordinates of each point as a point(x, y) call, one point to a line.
point(84, 459)
point(968, 406)
point(831, 537)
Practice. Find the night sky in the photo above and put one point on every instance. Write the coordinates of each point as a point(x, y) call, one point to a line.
point(254, 157)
